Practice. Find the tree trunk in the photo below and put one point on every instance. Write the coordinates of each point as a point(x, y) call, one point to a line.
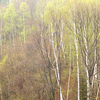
point(69, 71)
point(76, 46)
point(57, 66)
point(88, 86)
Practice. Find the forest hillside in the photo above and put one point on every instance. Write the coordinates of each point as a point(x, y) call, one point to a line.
point(49, 49)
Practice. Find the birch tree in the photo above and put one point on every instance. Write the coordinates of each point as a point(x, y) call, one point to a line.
point(9, 18)
point(56, 28)
point(44, 47)
point(86, 30)
point(24, 15)
point(72, 19)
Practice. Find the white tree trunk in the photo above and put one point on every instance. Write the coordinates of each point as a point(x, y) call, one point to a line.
point(69, 71)
point(57, 73)
point(95, 52)
point(98, 92)
point(77, 71)
point(61, 36)
point(88, 85)
point(76, 46)
point(95, 67)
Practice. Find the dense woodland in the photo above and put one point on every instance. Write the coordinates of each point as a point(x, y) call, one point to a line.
point(49, 49)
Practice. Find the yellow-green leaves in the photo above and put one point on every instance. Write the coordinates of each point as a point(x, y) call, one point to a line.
point(24, 9)
point(2, 63)
point(9, 17)
point(53, 11)
point(23, 18)
point(10, 13)
point(24, 14)
point(88, 1)
point(4, 60)
point(49, 13)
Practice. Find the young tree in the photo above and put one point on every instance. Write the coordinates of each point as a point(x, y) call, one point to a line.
point(72, 19)
point(86, 29)
point(54, 20)
point(24, 15)
point(9, 18)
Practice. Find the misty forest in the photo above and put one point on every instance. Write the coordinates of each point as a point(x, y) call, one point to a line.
point(49, 49)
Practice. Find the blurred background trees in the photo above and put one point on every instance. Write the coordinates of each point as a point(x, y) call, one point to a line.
point(49, 50)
